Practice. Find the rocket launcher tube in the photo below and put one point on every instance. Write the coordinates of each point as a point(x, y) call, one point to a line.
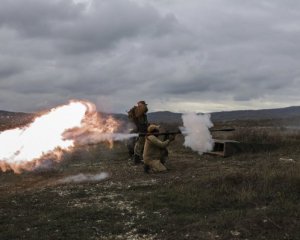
point(182, 132)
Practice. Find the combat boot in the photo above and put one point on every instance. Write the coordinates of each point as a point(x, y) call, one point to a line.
point(136, 159)
point(146, 168)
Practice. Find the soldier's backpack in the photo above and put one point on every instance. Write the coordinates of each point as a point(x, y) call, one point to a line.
point(131, 114)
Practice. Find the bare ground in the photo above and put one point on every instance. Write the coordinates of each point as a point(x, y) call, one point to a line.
point(246, 196)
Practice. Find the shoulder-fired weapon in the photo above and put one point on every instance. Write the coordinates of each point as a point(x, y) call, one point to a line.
point(182, 132)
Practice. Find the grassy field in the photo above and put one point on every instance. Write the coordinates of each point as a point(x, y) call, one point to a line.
point(246, 196)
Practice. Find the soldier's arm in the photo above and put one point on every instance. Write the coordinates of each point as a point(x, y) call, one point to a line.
point(157, 142)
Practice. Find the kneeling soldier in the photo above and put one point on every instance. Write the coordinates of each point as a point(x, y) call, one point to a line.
point(153, 150)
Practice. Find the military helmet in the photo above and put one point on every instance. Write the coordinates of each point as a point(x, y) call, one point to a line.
point(142, 102)
point(152, 128)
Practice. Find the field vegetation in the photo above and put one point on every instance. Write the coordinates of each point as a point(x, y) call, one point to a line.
point(250, 195)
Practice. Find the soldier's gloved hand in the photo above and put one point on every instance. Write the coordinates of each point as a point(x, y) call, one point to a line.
point(172, 137)
point(166, 137)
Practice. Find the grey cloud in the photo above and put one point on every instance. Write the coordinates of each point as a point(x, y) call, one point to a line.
point(8, 69)
point(213, 82)
point(121, 51)
point(111, 22)
point(36, 18)
point(75, 31)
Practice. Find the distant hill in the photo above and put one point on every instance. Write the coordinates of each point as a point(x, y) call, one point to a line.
point(5, 114)
point(278, 113)
point(19, 118)
point(14, 119)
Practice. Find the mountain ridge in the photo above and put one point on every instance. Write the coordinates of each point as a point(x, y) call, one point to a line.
point(175, 117)
point(260, 114)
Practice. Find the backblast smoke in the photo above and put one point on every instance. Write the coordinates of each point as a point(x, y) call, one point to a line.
point(196, 131)
point(44, 141)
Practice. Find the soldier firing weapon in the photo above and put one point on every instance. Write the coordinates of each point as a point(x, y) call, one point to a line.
point(167, 136)
point(167, 133)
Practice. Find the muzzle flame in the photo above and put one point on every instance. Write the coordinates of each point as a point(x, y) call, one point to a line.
point(44, 140)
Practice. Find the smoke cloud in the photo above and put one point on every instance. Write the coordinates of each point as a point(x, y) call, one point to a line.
point(95, 137)
point(95, 129)
point(197, 134)
point(84, 178)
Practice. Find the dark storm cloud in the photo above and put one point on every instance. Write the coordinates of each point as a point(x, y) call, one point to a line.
point(111, 22)
point(9, 69)
point(76, 31)
point(246, 55)
point(43, 31)
point(172, 52)
point(36, 18)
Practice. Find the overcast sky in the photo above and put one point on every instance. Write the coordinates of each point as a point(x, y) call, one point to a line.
point(178, 55)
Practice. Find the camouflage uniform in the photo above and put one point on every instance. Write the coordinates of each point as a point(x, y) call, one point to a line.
point(153, 151)
point(141, 123)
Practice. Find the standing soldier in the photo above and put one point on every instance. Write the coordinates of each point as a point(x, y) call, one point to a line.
point(138, 115)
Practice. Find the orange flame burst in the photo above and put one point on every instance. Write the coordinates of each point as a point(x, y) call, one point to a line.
point(44, 140)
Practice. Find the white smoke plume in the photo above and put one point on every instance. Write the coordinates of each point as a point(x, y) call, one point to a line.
point(196, 131)
point(96, 137)
point(84, 178)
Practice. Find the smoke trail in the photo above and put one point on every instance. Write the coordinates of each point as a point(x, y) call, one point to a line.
point(84, 178)
point(196, 128)
point(95, 129)
point(95, 137)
